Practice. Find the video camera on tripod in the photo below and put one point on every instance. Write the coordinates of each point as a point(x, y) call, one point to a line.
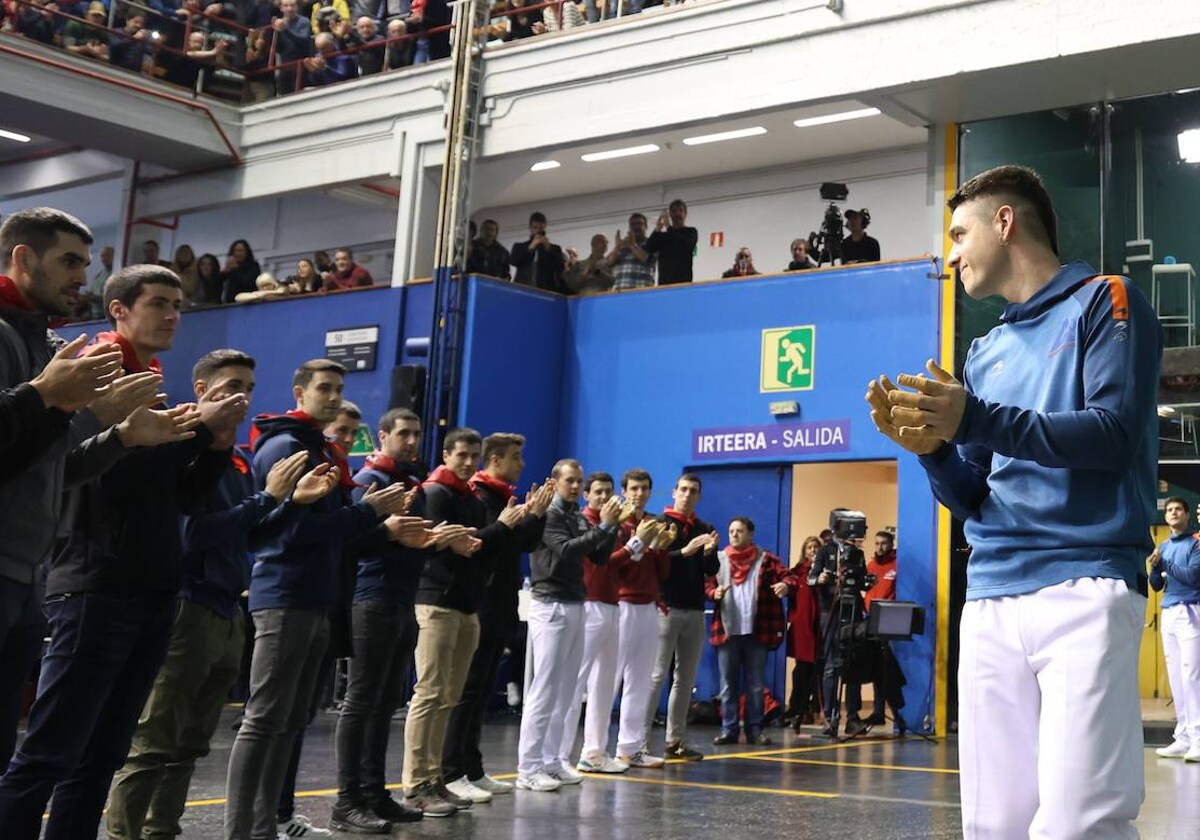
point(825, 245)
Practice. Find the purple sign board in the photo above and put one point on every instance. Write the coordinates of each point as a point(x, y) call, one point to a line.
point(782, 440)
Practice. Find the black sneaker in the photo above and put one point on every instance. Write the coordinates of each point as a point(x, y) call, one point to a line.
point(725, 738)
point(874, 720)
point(358, 820)
point(856, 726)
point(392, 811)
point(683, 752)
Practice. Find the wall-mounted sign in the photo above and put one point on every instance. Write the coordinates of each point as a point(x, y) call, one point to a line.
point(785, 440)
point(788, 359)
point(783, 408)
point(353, 347)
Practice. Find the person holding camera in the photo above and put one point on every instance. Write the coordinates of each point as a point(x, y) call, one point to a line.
point(743, 265)
point(748, 622)
point(885, 671)
point(674, 243)
point(859, 247)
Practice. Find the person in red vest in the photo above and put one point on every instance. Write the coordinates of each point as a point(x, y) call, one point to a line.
point(803, 632)
point(887, 677)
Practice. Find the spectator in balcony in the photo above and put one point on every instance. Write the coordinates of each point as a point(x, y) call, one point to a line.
point(91, 296)
point(429, 15)
point(323, 262)
point(150, 254)
point(592, 275)
point(128, 50)
point(743, 264)
point(346, 273)
point(208, 280)
point(800, 258)
point(632, 267)
point(37, 21)
point(328, 66)
point(184, 266)
point(321, 19)
point(487, 255)
point(520, 24)
point(552, 21)
point(293, 43)
point(539, 262)
point(240, 272)
point(399, 52)
point(258, 14)
point(259, 85)
point(306, 278)
point(88, 39)
point(858, 247)
point(370, 45)
point(675, 245)
point(390, 10)
point(197, 55)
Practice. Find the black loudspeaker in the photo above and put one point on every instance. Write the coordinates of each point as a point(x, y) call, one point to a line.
point(408, 388)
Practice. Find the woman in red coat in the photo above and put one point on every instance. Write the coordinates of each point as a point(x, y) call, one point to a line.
point(803, 635)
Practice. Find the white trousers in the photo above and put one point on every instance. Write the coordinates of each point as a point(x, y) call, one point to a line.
point(1181, 649)
point(637, 648)
point(597, 675)
point(555, 650)
point(1050, 729)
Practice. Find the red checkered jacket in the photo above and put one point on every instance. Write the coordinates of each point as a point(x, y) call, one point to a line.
point(770, 623)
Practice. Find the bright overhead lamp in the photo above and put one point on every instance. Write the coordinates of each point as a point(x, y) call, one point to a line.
point(12, 135)
point(543, 165)
point(736, 134)
point(629, 151)
point(808, 122)
point(1189, 145)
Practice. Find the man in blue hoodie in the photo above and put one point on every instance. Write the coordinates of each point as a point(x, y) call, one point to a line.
point(1047, 451)
point(293, 586)
point(1175, 566)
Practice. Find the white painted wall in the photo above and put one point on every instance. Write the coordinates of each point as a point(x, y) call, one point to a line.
point(764, 210)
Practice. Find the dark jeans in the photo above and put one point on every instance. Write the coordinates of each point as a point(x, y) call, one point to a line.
point(104, 654)
point(289, 646)
point(461, 756)
point(385, 635)
point(22, 628)
point(743, 664)
point(804, 685)
point(286, 808)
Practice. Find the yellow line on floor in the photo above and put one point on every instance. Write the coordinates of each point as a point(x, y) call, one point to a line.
point(325, 792)
point(790, 751)
point(713, 786)
point(851, 764)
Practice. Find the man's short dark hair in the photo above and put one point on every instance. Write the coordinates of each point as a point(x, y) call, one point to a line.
point(636, 474)
point(679, 202)
point(537, 216)
point(488, 222)
point(633, 216)
point(345, 251)
point(745, 520)
point(350, 409)
point(127, 285)
point(497, 444)
point(461, 435)
point(887, 535)
point(602, 477)
point(1175, 500)
point(214, 360)
point(305, 373)
point(387, 423)
point(692, 477)
point(564, 463)
point(1014, 184)
point(38, 228)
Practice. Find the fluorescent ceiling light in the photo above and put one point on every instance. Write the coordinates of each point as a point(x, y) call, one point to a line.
point(12, 135)
point(1189, 145)
point(808, 122)
point(543, 165)
point(737, 134)
point(592, 157)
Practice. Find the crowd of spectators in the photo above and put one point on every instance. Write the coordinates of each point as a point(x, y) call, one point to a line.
point(267, 48)
point(207, 281)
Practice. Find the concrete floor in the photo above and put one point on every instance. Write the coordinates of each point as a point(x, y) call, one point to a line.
point(801, 786)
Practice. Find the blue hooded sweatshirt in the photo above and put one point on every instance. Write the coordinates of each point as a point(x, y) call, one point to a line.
point(1054, 464)
point(391, 574)
point(1179, 570)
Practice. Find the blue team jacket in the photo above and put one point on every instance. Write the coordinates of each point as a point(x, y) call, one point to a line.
point(1179, 570)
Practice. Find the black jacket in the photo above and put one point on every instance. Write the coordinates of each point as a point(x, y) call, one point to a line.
point(539, 267)
point(557, 566)
point(449, 580)
point(684, 587)
point(500, 596)
point(490, 260)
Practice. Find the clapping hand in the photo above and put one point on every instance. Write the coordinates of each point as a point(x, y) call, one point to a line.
point(316, 484)
point(147, 427)
point(387, 501)
point(284, 474)
point(69, 383)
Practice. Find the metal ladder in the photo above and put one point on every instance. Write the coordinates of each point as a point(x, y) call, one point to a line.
point(446, 335)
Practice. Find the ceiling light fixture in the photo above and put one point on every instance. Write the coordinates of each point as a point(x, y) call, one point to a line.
point(12, 135)
point(736, 134)
point(1189, 145)
point(808, 122)
point(593, 157)
point(543, 165)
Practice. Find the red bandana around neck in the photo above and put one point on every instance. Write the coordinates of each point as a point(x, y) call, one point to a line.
point(445, 476)
point(383, 463)
point(501, 486)
point(129, 357)
point(11, 297)
point(592, 516)
point(741, 562)
point(689, 521)
point(304, 417)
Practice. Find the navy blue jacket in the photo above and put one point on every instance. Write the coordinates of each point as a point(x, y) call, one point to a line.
point(393, 573)
point(298, 567)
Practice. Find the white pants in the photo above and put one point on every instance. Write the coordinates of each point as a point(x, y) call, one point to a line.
point(1050, 729)
point(637, 649)
point(555, 650)
point(1181, 648)
point(597, 674)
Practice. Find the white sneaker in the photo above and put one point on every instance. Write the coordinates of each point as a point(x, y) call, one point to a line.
point(565, 773)
point(1176, 749)
point(492, 786)
point(641, 759)
point(538, 783)
point(601, 764)
point(301, 826)
point(467, 790)
point(514, 695)
point(1193, 754)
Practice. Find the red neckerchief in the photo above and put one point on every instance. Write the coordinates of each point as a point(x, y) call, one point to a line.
point(445, 476)
point(11, 297)
point(741, 562)
point(382, 463)
point(129, 357)
point(335, 453)
point(239, 461)
point(689, 521)
point(592, 516)
point(483, 479)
